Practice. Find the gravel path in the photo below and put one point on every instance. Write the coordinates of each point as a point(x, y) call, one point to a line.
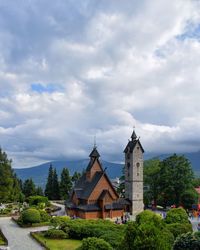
point(19, 238)
point(59, 212)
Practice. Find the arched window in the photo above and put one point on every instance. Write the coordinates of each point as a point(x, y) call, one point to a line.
point(128, 169)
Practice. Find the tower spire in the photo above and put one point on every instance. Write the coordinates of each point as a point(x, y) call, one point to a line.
point(133, 136)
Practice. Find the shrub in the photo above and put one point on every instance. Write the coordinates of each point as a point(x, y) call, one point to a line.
point(188, 241)
point(36, 200)
point(176, 215)
point(59, 220)
point(55, 234)
point(114, 238)
point(30, 216)
point(150, 218)
point(93, 243)
point(179, 228)
point(146, 236)
point(44, 216)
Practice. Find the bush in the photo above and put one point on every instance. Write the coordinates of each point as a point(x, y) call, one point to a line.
point(188, 241)
point(44, 216)
point(176, 215)
point(55, 234)
point(36, 200)
point(146, 236)
point(93, 243)
point(179, 228)
point(59, 220)
point(150, 218)
point(30, 216)
point(114, 238)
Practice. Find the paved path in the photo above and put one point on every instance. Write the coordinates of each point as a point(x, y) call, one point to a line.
point(19, 238)
point(195, 222)
point(59, 212)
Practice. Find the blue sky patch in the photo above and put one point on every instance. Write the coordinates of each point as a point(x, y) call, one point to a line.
point(49, 88)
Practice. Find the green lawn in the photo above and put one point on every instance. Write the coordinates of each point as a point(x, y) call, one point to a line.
point(2, 242)
point(66, 244)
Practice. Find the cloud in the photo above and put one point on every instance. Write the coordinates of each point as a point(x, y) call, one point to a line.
point(72, 70)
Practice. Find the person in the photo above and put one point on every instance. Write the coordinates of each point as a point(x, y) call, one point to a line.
point(198, 227)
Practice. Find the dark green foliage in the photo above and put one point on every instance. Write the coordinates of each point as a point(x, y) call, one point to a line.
point(79, 229)
point(152, 180)
point(29, 188)
point(65, 184)
point(55, 234)
point(179, 228)
point(146, 236)
point(76, 176)
point(37, 199)
point(30, 216)
point(188, 198)
point(52, 190)
point(6, 178)
point(175, 177)
point(39, 191)
point(196, 182)
point(114, 238)
point(188, 241)
point(176, 215)
point(44, 216)
point(49, 185)
point(93, 243)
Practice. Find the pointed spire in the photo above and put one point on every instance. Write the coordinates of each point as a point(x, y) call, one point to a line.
point(134, 136)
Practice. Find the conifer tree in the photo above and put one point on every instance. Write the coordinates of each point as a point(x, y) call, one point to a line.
point(76, 176)
point(39, 191)
point(65, 184)
point(55, 185)
point(29, 188)
point(6, 178)
point(49, 185)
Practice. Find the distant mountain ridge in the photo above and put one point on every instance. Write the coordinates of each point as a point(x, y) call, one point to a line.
point(39, 173)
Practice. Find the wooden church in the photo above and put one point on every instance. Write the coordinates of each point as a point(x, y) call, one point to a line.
point(94, 196)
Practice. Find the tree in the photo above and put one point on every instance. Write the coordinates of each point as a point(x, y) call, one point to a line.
point(189, 197)
point(76, 176)
point(152, 180)
point(176, 215)
point(39, 191)
point(16, 194)
point(65, 184)
point(6, 178)
point(29, 188)
point(93, 243)
point(55, 186)
point(49, 185)
point(176, 177)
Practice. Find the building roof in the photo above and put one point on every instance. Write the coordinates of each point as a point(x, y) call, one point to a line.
point(94, 153)
point(131, 145)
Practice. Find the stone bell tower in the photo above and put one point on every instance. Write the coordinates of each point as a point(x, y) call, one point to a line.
point(134, 174)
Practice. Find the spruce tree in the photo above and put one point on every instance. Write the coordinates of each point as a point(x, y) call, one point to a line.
point(55, 185)
point(49, 184)
point(6, 178)
point(65, 184)
point(39, 191)
point(76, 176)
point(29, 188)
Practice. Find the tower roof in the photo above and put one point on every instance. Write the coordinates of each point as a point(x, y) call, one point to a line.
point(94, 153)
point(133, 136)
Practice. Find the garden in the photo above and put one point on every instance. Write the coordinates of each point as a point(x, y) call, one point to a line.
point(149, 231)
point(3, 240)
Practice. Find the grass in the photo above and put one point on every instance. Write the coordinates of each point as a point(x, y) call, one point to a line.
point(53, 244)
point(2, 239)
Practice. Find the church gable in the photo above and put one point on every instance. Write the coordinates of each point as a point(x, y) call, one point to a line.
point(103, 184)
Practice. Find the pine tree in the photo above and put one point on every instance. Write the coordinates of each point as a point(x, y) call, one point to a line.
point(6, 178)
point(29, 188)
point(55, 185)
point(65, 184)
point(76, 176)
point(39, 191)
point(16, 189)
point(49, 184)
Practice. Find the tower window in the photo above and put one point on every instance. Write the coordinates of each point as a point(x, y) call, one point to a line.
point(128, 156)
point(128, 168)
point(138, 168)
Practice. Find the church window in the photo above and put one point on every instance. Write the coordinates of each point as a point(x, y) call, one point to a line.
point(138, 168)
point(128, 168)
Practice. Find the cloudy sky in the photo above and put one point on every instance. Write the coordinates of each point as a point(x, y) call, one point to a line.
point(71, 70)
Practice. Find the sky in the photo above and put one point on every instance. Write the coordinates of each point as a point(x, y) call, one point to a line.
point(74, 70)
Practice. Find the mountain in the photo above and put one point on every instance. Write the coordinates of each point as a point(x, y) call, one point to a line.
point(39, 173)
